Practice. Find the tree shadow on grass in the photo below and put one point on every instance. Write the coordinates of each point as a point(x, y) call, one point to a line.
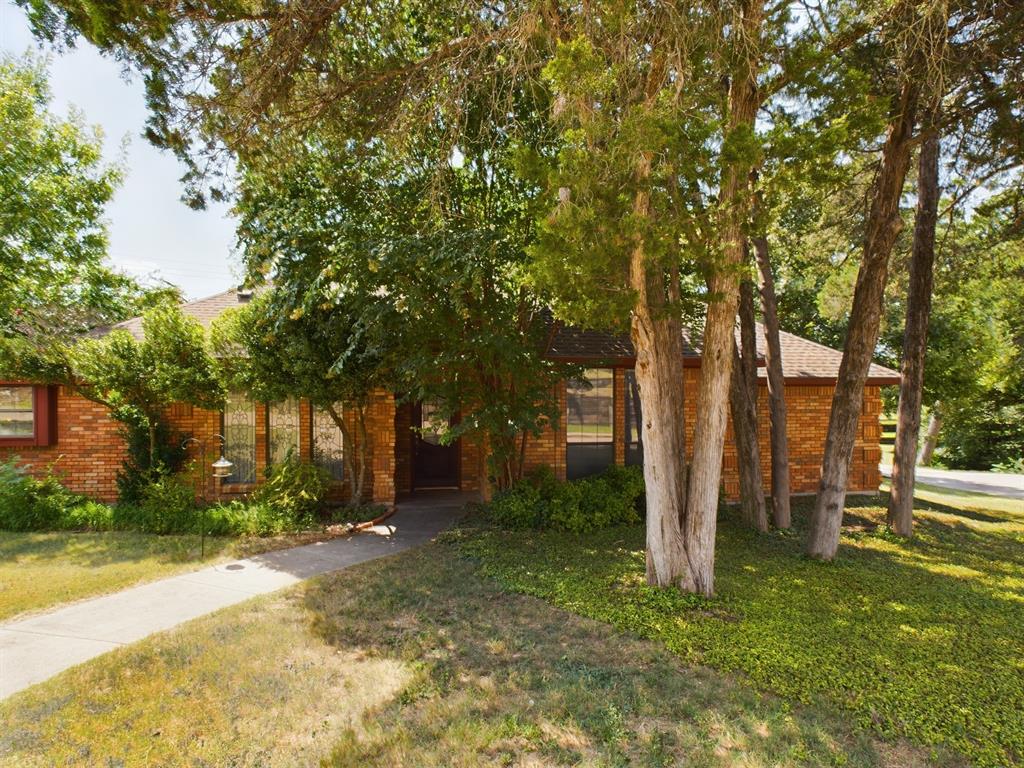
point(508, 679)
point(916, 638)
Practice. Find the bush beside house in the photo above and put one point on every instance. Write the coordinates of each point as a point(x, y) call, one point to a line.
point(290, 500)
point(615, 497)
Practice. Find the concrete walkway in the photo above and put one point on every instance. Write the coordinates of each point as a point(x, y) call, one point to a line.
point(994, 483)
point(37, 648)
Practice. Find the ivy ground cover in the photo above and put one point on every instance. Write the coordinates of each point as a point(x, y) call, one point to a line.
point(921, 639)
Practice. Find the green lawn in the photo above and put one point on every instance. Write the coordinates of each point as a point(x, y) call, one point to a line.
point(416, 660)
point(899, 654)
point(41, 570)
point(923, 639)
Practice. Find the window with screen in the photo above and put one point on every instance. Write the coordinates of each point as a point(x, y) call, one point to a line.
point(282, 430)
point(589, 406)
point(590, 420)
point(17, 411)
point(328, 444)
point(240, 437)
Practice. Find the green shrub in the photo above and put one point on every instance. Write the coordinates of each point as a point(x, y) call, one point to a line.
point(295, 489)
point(88, 515)
point(541, 501)
point(136, 473)
point(31, 504)
point(167, 505)
point(240, 518)
point(521, 506)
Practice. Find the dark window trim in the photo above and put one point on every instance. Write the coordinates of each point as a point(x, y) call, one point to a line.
point(44, 417)
point(638, 443)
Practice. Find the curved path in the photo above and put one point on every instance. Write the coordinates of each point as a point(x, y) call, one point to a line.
point(37, 648)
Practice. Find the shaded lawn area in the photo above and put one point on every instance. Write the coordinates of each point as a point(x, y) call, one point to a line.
point(43, 570)
point(416, 660)
point(923, 639)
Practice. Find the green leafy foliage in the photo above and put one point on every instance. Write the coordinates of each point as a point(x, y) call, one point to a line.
point(387, 271)
point(295, 489)
point(54, 188)
point(912, 638)
point(166, 505)
point(241, 518)
point(31, 504)
point(140, 468)
point(609, 499)
point(88, 515)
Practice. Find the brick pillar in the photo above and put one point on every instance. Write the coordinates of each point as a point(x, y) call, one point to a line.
point(380, 426)
point(619, 411)
point(560, 434)
point(305, 430)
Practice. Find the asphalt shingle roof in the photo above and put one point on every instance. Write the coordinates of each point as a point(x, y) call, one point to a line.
point(801, 358)
point(204, 310)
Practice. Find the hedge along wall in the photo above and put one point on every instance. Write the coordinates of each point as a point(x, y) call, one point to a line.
point(89, 451)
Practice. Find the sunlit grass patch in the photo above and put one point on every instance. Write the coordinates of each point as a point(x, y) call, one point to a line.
point(248, 686)
point(43, 570)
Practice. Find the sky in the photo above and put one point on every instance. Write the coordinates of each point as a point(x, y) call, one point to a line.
point(152, 233)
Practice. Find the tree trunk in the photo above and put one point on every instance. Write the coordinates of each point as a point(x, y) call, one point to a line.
point(743, 404)
point(776, 387)
point(347, 453)
point(883, 225)
point(483, 476)
point(915, 337)
point(657, 336)
point(719, 327)
point(152, 442)
point(362, 447)
point(931, 437)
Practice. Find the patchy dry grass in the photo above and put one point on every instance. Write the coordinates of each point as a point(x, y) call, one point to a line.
point(42, 570)
point(247, 686)
point(415, 660)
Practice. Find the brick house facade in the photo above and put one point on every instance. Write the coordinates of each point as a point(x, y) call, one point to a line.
point(82, 444)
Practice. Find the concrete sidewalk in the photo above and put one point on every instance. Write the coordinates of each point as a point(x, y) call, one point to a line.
point(994, 483)
point(37, 648)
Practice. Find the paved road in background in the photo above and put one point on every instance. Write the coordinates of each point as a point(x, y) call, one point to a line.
point(994, 483)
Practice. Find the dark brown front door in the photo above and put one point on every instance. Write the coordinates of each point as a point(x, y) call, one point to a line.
point(434, 465)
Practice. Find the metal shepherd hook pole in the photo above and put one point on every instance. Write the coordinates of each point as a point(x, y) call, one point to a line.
point(221, 469)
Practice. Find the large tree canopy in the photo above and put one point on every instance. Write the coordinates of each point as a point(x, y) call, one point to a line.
point(642, 130)
point(53, 236)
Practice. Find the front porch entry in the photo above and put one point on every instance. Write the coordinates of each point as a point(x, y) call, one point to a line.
point(434, 465)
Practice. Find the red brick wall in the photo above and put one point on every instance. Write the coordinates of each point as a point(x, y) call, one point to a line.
point(808, 412)
point(88, 451)
point(91, 451)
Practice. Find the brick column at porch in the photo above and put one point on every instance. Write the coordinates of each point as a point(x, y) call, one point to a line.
point(380, 428)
